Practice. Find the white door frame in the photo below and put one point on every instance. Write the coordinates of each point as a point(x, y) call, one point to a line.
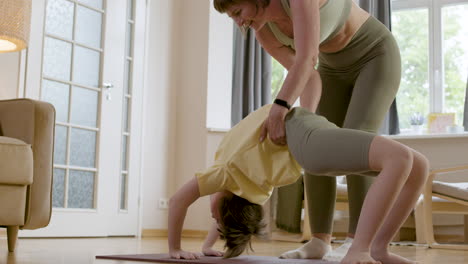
point(30, 83)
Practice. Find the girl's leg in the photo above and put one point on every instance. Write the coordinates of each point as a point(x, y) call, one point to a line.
point(403, 206)
point(395, 163)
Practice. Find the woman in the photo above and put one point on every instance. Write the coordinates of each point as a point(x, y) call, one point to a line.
point(358, 68)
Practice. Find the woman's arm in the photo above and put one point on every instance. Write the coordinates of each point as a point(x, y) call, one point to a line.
point(301, 71)
point(178, 205)
point(306, 28)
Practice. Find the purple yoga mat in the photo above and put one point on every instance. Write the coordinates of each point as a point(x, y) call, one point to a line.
point(164, 258)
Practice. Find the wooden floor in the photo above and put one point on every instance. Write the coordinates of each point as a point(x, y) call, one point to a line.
point(82, 251)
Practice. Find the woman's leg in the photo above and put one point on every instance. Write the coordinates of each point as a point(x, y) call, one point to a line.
point(389, 200)
point(321, 190)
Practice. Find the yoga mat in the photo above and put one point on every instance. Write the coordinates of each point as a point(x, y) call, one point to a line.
point(164, 258)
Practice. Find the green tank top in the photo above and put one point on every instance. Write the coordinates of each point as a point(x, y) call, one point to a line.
point(333, 15)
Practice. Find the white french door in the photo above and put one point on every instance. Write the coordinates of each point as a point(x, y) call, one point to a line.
point(91, 72)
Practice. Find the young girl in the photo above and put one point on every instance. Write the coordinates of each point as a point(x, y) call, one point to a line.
point(245, 172)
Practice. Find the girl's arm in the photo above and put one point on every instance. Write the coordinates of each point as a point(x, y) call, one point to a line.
point(210, 240)
point(178, 205)
point(213, 234)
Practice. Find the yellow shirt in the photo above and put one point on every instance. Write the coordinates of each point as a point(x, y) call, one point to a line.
point(246, 167)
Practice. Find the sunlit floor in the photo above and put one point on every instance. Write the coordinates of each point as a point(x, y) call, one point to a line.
point(68, 251)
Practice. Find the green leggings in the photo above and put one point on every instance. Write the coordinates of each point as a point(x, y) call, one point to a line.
point(359, 84)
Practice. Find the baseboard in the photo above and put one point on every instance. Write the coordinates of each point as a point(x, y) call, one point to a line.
point(449, 238)
point(163, 233)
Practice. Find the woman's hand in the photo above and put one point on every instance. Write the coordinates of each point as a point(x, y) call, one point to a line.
point(181, 254)
point(274, 127)
point(212, 253)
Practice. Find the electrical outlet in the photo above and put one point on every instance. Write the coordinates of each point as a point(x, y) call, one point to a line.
point(163, 203)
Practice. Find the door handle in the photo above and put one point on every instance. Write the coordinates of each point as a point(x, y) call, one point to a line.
point(107, 85)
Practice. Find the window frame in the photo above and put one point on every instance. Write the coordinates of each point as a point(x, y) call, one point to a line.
point(436, 66)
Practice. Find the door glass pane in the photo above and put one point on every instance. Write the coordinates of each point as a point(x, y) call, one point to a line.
point(123, 192)
point(411, 30)
point(84, 107)
point(57, 59)
point(124, 153)
point(57, 94)
point(59, 18)
point(93, 3)
point(88, 27)
point(86, 66)
point(58, 189)
point(83, 148)
point(455, 47)
point(81, 189)
point(60, 146)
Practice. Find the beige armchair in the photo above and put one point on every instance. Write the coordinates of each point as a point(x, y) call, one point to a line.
point(26, 151)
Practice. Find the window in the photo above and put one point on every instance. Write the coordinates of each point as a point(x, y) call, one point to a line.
point(277, 79)
point(433, 40)
point(278, 73)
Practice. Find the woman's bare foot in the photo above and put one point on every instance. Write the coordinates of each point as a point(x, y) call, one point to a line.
point(357, 257)
point(389, 258)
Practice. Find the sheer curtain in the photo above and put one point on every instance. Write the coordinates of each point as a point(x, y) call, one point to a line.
point(251, 82)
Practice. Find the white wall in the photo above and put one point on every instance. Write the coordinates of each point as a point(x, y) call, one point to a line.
point(192, 73)
point(160, 97)
point(189, 48)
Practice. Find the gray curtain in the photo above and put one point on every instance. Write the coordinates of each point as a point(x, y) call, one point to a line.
point(382, 10)
point(465, 113)
point(251, 82)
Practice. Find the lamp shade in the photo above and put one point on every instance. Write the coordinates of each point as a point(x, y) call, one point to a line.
point(15, 21)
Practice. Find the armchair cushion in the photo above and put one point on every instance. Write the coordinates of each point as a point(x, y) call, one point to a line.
point(458, 190)
point(16, 162)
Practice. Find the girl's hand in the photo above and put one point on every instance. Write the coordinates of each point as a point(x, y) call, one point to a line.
point(274, 127)
point(181, 254)
point(211, 252)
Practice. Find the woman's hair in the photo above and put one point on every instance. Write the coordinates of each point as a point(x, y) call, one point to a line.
point(240, 220)
point(223, 5)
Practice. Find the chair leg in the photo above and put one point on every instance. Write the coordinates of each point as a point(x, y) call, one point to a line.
point(419, 221)
point(306, 232)
point(466, 228)
point(12, 234)
point(427, 209)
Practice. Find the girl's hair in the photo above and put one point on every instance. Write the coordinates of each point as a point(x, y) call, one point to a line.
point(223, 5)
point(240, 220)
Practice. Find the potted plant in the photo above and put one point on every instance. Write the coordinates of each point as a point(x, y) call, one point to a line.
point(417, 121)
